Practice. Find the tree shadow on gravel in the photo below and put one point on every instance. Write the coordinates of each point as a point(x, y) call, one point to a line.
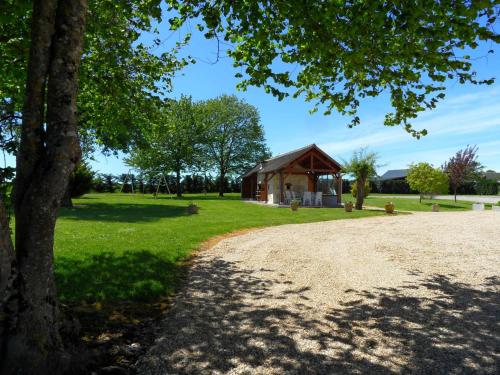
point(227, 316)
point(454, 330)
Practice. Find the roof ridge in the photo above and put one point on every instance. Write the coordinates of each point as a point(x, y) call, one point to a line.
point(291, 152)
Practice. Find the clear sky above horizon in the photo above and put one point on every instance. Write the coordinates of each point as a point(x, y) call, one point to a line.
point(468, 115)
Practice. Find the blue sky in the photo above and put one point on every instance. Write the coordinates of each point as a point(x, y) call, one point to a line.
point(468, 115)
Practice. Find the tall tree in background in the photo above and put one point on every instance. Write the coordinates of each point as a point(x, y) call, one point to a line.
point(363, 166)
point(462, 167)
point(233, 138)
point(169, 144)
point(426, 179)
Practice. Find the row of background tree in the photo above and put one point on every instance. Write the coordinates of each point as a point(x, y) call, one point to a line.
point(222, 136)
point(85, 180)
point(480, 185)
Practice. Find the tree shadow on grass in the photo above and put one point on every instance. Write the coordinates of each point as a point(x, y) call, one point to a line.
point(228, 319)
point(121, 212)
point(131, 276)
point(201, 197)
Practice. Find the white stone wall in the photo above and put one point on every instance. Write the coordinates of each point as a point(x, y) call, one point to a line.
point(299, 182)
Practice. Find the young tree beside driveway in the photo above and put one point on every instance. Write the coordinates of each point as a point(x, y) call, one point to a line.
point(363, 166)
point(426, 179)
point(462, 167)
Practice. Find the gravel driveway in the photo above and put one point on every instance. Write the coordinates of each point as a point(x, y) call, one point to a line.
point(401, 294)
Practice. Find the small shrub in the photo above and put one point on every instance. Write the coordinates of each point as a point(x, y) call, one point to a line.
point(81, 180)
point(193, 209)
point(389, 207)
point(354, 189)
point(348, 206)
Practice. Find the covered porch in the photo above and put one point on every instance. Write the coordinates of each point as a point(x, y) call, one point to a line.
point(308, 175)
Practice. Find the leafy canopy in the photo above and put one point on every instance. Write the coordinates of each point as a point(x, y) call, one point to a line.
point(121, 78)
point(338, 52)
point(170, 142)
point(362, 165)
point(233, 137)
point(426, 179)
point(462, 166)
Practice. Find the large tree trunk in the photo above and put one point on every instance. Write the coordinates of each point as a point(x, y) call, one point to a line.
point(6, 253)
point(221, 184)
point(47, 156)
point(360, 193)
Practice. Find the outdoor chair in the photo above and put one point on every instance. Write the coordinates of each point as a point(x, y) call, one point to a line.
point(318, 199)
point(296, 195)
point(288, 197)
point(307, 197)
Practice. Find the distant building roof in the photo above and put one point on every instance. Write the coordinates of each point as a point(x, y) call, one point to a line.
point(492, 175)
point(283, 160)
point(394, 174)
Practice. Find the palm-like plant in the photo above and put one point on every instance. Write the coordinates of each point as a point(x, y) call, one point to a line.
point(363, 166)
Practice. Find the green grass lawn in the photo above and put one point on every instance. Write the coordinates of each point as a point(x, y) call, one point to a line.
point(123, 247)
point(413, 204)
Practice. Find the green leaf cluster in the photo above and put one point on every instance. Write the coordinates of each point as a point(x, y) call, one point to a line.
point(221, 135)
point(335, 53)
point(362, 165)
point(233, 138)
point(426, 179)
point(170, 143)
point(121, 78)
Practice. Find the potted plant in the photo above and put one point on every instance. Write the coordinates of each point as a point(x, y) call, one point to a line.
point(348, 206)
point(478, 206)
point(389, 207)
point(435, 207)
point(294, 204)
point(192, 208)
point(496, 207)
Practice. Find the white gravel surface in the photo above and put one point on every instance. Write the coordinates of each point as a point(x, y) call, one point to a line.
point(401, 294)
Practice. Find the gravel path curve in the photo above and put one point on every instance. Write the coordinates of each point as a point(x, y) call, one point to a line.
point(403, 294)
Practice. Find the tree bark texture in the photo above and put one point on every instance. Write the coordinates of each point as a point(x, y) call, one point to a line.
point(6, 252)
point(48, 153)
point(66, 200)
point(360, 193)
point(221, 184)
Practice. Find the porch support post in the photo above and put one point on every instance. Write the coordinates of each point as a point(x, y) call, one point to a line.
point(339, 189)
point(265, 187)
point(282, 195)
